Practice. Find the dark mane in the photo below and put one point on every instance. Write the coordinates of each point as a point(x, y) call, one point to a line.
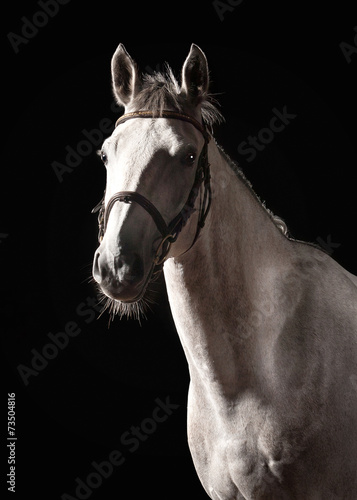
point(278, 221)
point(162, 91)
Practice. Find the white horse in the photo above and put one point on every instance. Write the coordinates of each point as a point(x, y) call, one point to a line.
point(268, 324)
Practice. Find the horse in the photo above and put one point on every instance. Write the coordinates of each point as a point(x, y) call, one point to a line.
point(268, 323)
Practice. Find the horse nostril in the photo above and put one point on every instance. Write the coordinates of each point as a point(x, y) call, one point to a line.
point(117, 274)
point(129, 267)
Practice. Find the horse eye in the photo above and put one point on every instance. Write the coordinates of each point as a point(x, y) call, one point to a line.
point(190, 158)
point(103, 157)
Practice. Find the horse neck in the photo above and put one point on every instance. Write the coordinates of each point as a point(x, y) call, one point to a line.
point(215, 288)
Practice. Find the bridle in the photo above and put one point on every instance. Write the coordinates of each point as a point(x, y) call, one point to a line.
point(169, 232)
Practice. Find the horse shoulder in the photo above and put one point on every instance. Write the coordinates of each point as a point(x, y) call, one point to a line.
point(313, 358)
point(320, 293)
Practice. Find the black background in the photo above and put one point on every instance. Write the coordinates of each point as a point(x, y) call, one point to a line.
point(263, 55)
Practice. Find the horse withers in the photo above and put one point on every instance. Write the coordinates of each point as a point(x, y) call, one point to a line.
point(268, 324)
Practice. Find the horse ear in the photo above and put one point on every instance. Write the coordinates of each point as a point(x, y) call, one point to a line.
point(195, 79)
point(125, 78)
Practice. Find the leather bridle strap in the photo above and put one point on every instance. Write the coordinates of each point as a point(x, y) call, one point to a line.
point(130, 196)
point(166, 114)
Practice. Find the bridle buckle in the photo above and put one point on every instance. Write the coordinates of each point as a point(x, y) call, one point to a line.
point(160, 259)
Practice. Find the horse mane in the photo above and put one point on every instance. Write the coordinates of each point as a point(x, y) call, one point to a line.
point(161, 90)
point(278, 221)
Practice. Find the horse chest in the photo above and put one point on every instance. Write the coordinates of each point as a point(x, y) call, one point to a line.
point(239, 457)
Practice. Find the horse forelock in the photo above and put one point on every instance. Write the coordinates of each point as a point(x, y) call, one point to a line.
point(161, 90)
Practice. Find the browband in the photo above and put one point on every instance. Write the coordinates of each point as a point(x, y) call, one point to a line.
point(165, 114)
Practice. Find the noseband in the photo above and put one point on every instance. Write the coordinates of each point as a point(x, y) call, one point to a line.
point(169, 232)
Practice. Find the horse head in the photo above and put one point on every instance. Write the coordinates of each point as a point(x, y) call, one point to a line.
point(155, 168)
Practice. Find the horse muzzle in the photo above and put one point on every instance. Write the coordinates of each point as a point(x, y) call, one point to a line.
point(120, 277)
